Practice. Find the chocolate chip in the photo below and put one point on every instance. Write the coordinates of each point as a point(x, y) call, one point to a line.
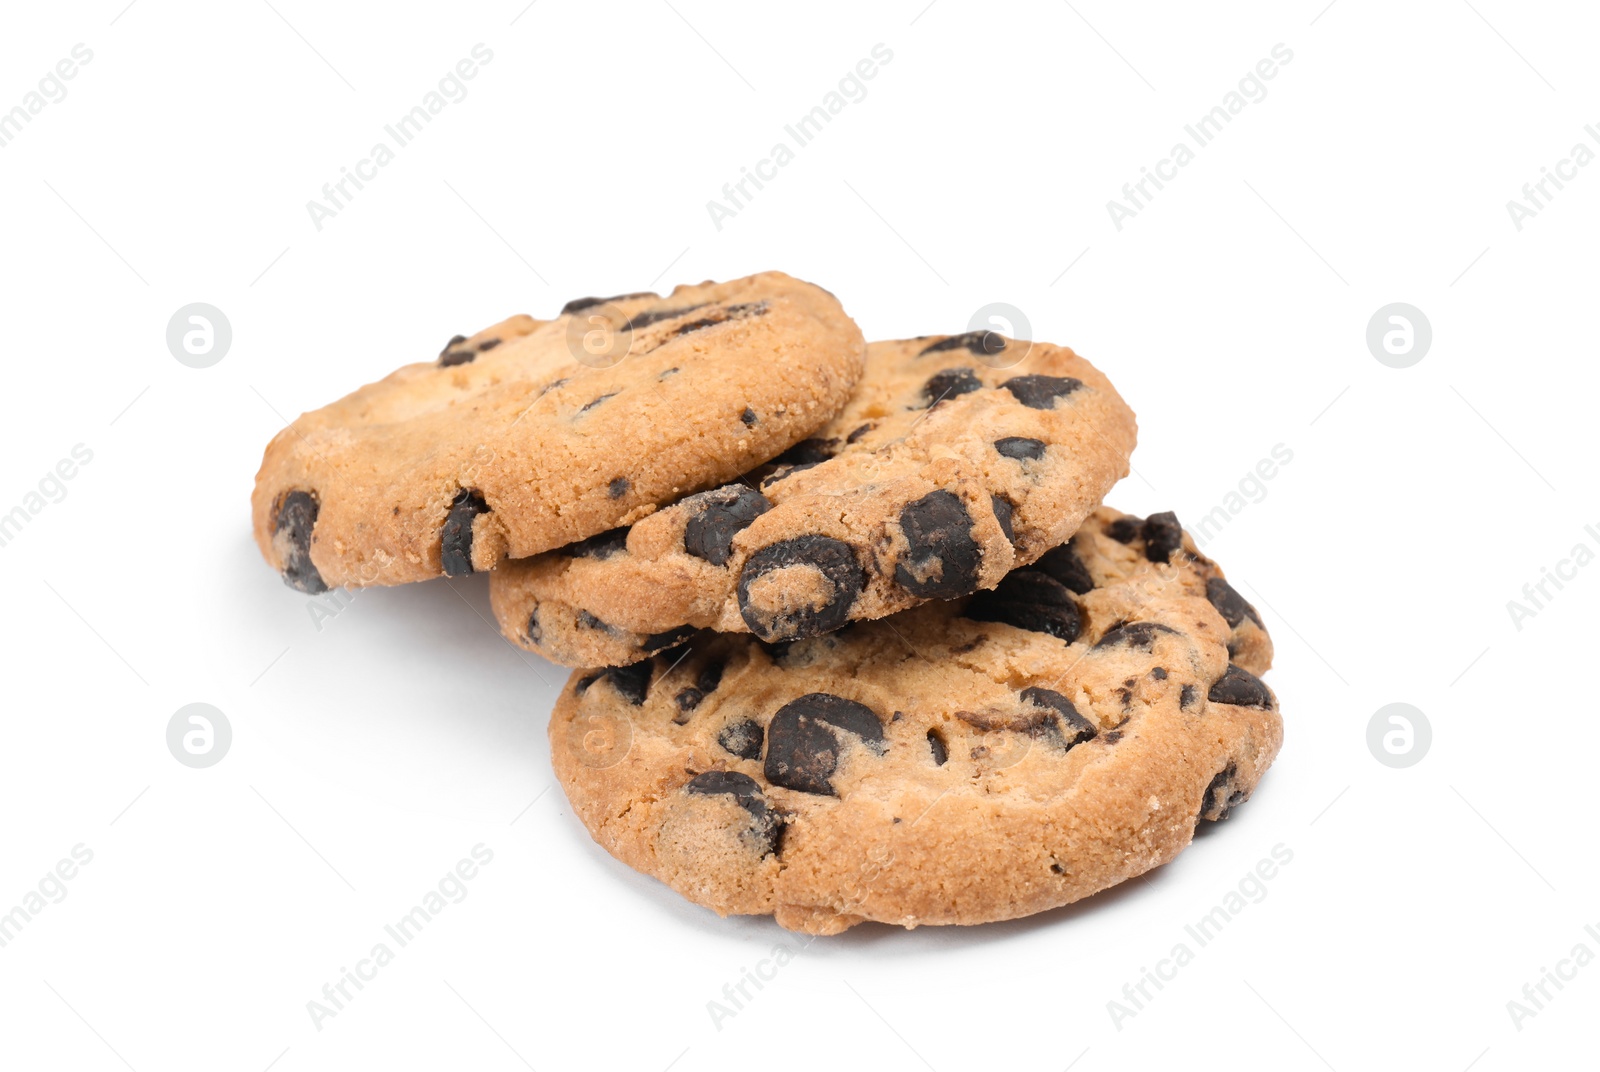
point(1159, 673)
point(1074, 729)
point(590, 621)
point(1220, 797)
point(766, 829)
point(834, 559)
point(803, 740)
point(581, 686)
point(1020, 447)
point(631, 682)
point(1187, 696)
point(296, 518)
point(535, 630)
point(607, 544)
point(587, 406)
point(710, 677)
point(455, 340)
point(456, 357)
point(1125, 529)
point(950, 383)
point(618, 487)
point(1229, 603)
point(859, 432)
point(655, 316)
point(1063, 564)
point(1029, 600)
point(978, 342)
point(1002, 513)
point(687, 700)
point(577, 305)
point(732, 312)
point(1134, 635)
point(941, 561)
point(455, 539)
point(1162, 536)
point(936, 745)
point(742, 738)
point(1041, 392)
point(1241, 688)
point(671, 638)
point(748, 416)
point(718, 516)
point(487, 344)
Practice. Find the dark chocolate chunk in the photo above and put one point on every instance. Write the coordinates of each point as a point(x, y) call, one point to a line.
point(766, 826)
point(1020, 447)
point(1220, 797)
point(455, 340)
point(1125, 529)
point(748, 416)
point(1041, 392)
point(1074, 729)
point(950, 383)
point(783, 471)
point(1229, 603)
point(487, 344)
point(1159, 673)
point(607, 544)
point(587, 406)
point(1064, 565)
point(1162, 536)
point(535, 630)
point(671, 638)
point(581, 686)
point(859, 432)
point(1134, 635)
point(936, 745)
point(1187, 696)
point(710, 677)
point(834, 559)
point(655, 316)
point(631, 682)
point(742, 738)
point(687, 700)
point(718, 516)
point(590, 621)
point(803, 740)
point(456, 357)
point(1240, 687)
point(296, 517)
point(1003, 511)
point(942, 559)
point(455, 538)
point(978, 342)
point(618, 487)
point(1029, 600)
point(580, 304)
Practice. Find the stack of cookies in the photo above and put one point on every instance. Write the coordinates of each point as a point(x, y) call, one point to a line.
point(855, 637)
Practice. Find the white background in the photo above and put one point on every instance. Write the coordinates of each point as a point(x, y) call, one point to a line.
point(371, 754)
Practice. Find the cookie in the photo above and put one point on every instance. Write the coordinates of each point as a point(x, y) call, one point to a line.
point(965, 761)
point(941, 475)
point(533, 434)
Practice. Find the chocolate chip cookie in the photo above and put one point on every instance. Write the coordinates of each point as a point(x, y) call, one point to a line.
point(533, 434)
point(965, 761)
point(949, 467)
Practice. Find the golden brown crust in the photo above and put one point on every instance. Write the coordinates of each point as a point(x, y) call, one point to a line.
point(1011, 812)
point(555, 449)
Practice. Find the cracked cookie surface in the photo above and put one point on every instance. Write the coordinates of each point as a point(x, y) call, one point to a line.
point(941, 475)
point(965, 761)
point(534, 434)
